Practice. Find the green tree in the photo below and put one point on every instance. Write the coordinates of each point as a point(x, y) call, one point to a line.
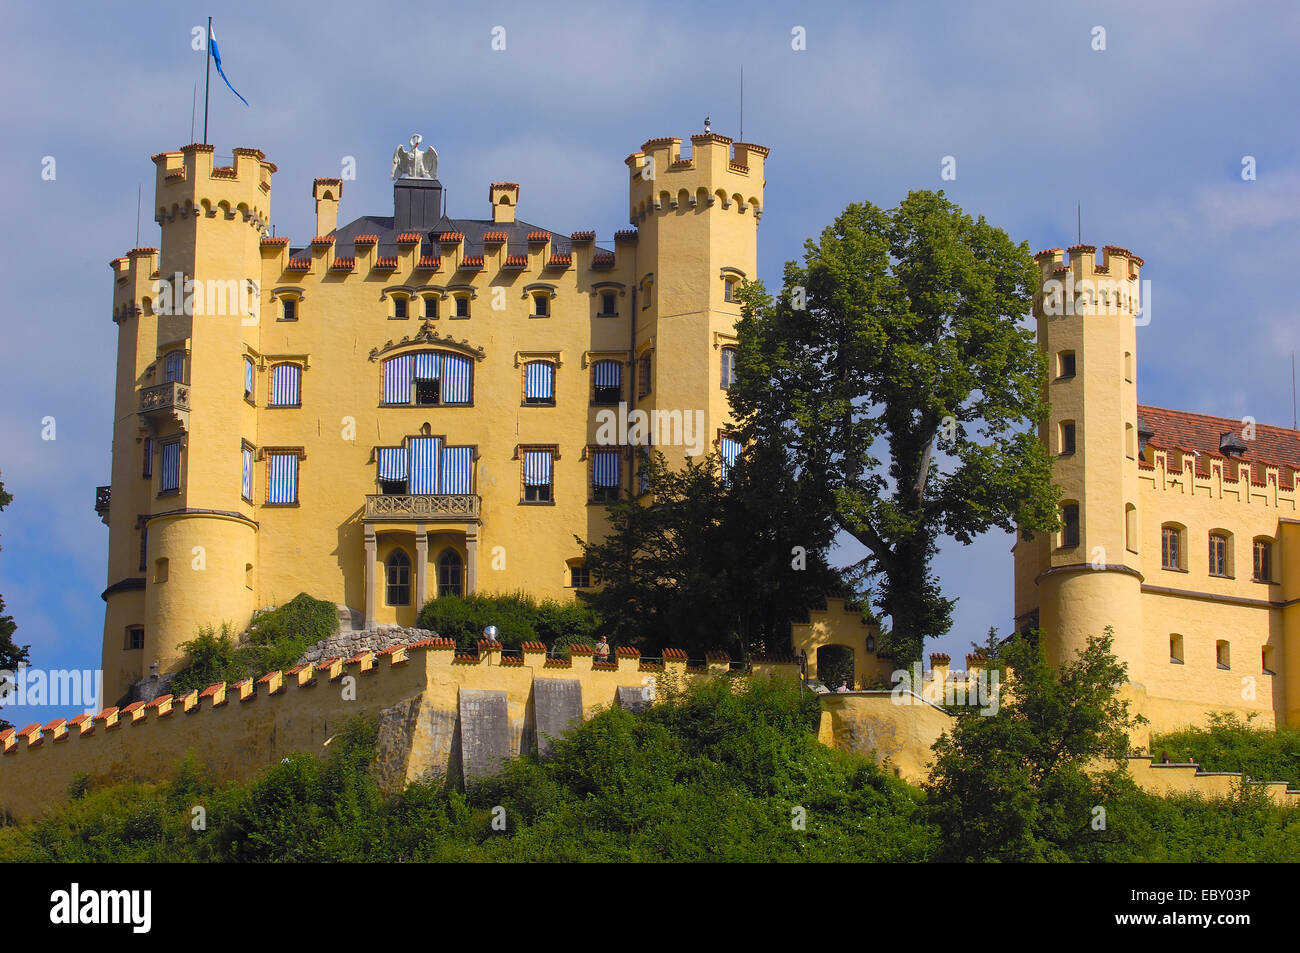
point(893, 374)
point(1023, 783)
point(709, 563)
point(11, 654)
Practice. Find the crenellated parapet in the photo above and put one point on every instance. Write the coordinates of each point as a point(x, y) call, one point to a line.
point(188, 184)
point(1188, 472)
point(720, 175)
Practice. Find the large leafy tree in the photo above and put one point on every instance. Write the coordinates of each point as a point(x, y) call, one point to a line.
point(1025, 783)
point(893, 373)
point(11, 655)
point(705, 563)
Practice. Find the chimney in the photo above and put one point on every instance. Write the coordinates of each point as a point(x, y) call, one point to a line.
point(327, 193)
point(417, 204)
point(505, 197)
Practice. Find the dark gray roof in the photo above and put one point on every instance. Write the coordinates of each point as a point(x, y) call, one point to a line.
point(472, 228)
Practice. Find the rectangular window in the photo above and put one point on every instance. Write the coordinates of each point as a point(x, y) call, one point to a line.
point(1169, 548)
point(282, 478)
point(144, 548)
point(539, 383)
point(289, 310)
point(728, 367)
point(147, 472)
point(426, 454)
point(171, 468)
point(457, 379)
point(1176, 649)
point(607, 381)
point(397, 380)
point(1070, 525)
point(541, 306)
point(643, 376)
point(286, 386)
point(135, 638)
point(246, 481)
point(1067, 437)
point(1218, 555)
point(729, 447)
point(1222, 655)
point(580, 577)
point(399, 308)
point(608, 305)
point(392, 469)
point(430, 307)
point(248, 378)
point(1263, 561)
point(1065, 364)
point(538, 476)
point(455, 475)
point(606, 475)
point(462, 306)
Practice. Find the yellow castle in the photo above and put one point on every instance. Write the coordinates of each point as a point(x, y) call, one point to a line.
point(405, 406)
point(1179, 530)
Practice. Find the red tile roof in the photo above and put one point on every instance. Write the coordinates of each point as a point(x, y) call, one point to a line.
point(276, 240)
point(602, 259)
point(429, 261)
point(563, 260)
point(516, 261)
point(365, 239)
point(298, 264)
point(495, 237)
point(472, 261)
point(583, 237)
point(386, 262)
point(450, 237)
point(323, 240)
point(343, 264)
point(408, 238)
point(539, 236)
point(1279, 446)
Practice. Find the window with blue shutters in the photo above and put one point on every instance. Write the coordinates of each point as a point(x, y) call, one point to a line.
point(246, 480)
point(539, 467)
point(539, 383)
point(607, 382)
point(425, 466)
point(171, 468)
point(174, 367)
point(606, 475)
point(428, 378)
point(455, 475)
point(248, 379)
point(282, 478)
point(286, 386)
point(729, 448)
point(392, 462)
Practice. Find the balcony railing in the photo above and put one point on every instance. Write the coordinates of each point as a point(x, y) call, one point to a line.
point(103, 496)
point(431, 507)
point(169, 399)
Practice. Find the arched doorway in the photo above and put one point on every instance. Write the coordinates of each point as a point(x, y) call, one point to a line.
point(835, 666)
point(451, 574)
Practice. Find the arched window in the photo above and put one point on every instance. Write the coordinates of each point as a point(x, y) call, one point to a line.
point(1263, 569)
point(398, 567)
point(431, 377)
point(1172, 551)
point(174, 367)
point(451, 572)
point(728, 367)
point(1069, 525)
point(1220, 553)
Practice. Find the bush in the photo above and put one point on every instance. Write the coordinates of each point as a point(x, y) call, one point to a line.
point(276, 639)
point(519, 618)
point(1230, 744)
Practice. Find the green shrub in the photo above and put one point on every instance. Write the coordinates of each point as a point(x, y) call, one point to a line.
point(518, 617)
point(276, 639)
point(1230, 744)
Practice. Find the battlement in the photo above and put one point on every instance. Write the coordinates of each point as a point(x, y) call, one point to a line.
point(719, 174)
point(133, 276)
point(1079, 285)
point(1192, 473)
point(187, 182)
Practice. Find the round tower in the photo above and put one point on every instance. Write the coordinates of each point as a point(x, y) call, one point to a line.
point(200, 564)
point(697, 219)
point(1087, 330)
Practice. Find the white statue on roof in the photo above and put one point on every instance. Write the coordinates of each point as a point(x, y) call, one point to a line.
point(415, 163)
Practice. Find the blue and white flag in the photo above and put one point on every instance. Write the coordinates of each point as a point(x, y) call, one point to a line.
point(216, 55)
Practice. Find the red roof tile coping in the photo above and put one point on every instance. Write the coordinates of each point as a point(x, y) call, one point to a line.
point(212, 689)
point(159, 701)
point(659, 141)
point(408, 238)
point(511, 660)
point(487, 645)
point(198, 147)
point(711, 137)
point(323, 240)
point(450, 238)
point(433, 643)
point(104, 715)
point(560, 261)
point(650, 667)
point(581, 650)
point(582, 237)
point(939, 657)
point(248, 151)
point(626, 235)
point(343, 264)
point(1079, 249)
point(1048, 251)
point(755, 147)
point(626, 651)
point(429, 261)
point(324, 180)
point(276, 240)
point(365, 240)
point(268, 676)
point(534, 646)
point(298, 264)
point(516, 261)
point(495, 237)
point(465, 657)
point(774, 658)
point(717, 657)
point(604, 259)
point(738, 166)
point(682, 163)
point(58, 722)
point(977, 658)
point(385, 263)
point(506, 185)
point(605, 666)
point(557, 663)
point(223, 172)
point(539, 236)
point(298, 668)
point(674, 654)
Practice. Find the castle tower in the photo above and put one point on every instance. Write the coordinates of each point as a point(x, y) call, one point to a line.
point(188, 336)
point(1090, 570)
point(697, 221)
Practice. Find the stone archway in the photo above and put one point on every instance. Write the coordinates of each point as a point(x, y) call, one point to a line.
point(835, 666)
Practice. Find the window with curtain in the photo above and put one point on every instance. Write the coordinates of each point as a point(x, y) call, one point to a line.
point(539, 383)
point(286, 386)
point(538, 476)
point(281, 478)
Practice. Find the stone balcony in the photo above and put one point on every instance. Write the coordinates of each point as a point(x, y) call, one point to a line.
point(163, 401)
point(423, 507)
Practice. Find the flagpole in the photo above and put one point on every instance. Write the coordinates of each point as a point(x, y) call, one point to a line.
point(207, 78)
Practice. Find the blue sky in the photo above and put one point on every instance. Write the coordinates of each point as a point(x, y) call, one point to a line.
point(1149, 134)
